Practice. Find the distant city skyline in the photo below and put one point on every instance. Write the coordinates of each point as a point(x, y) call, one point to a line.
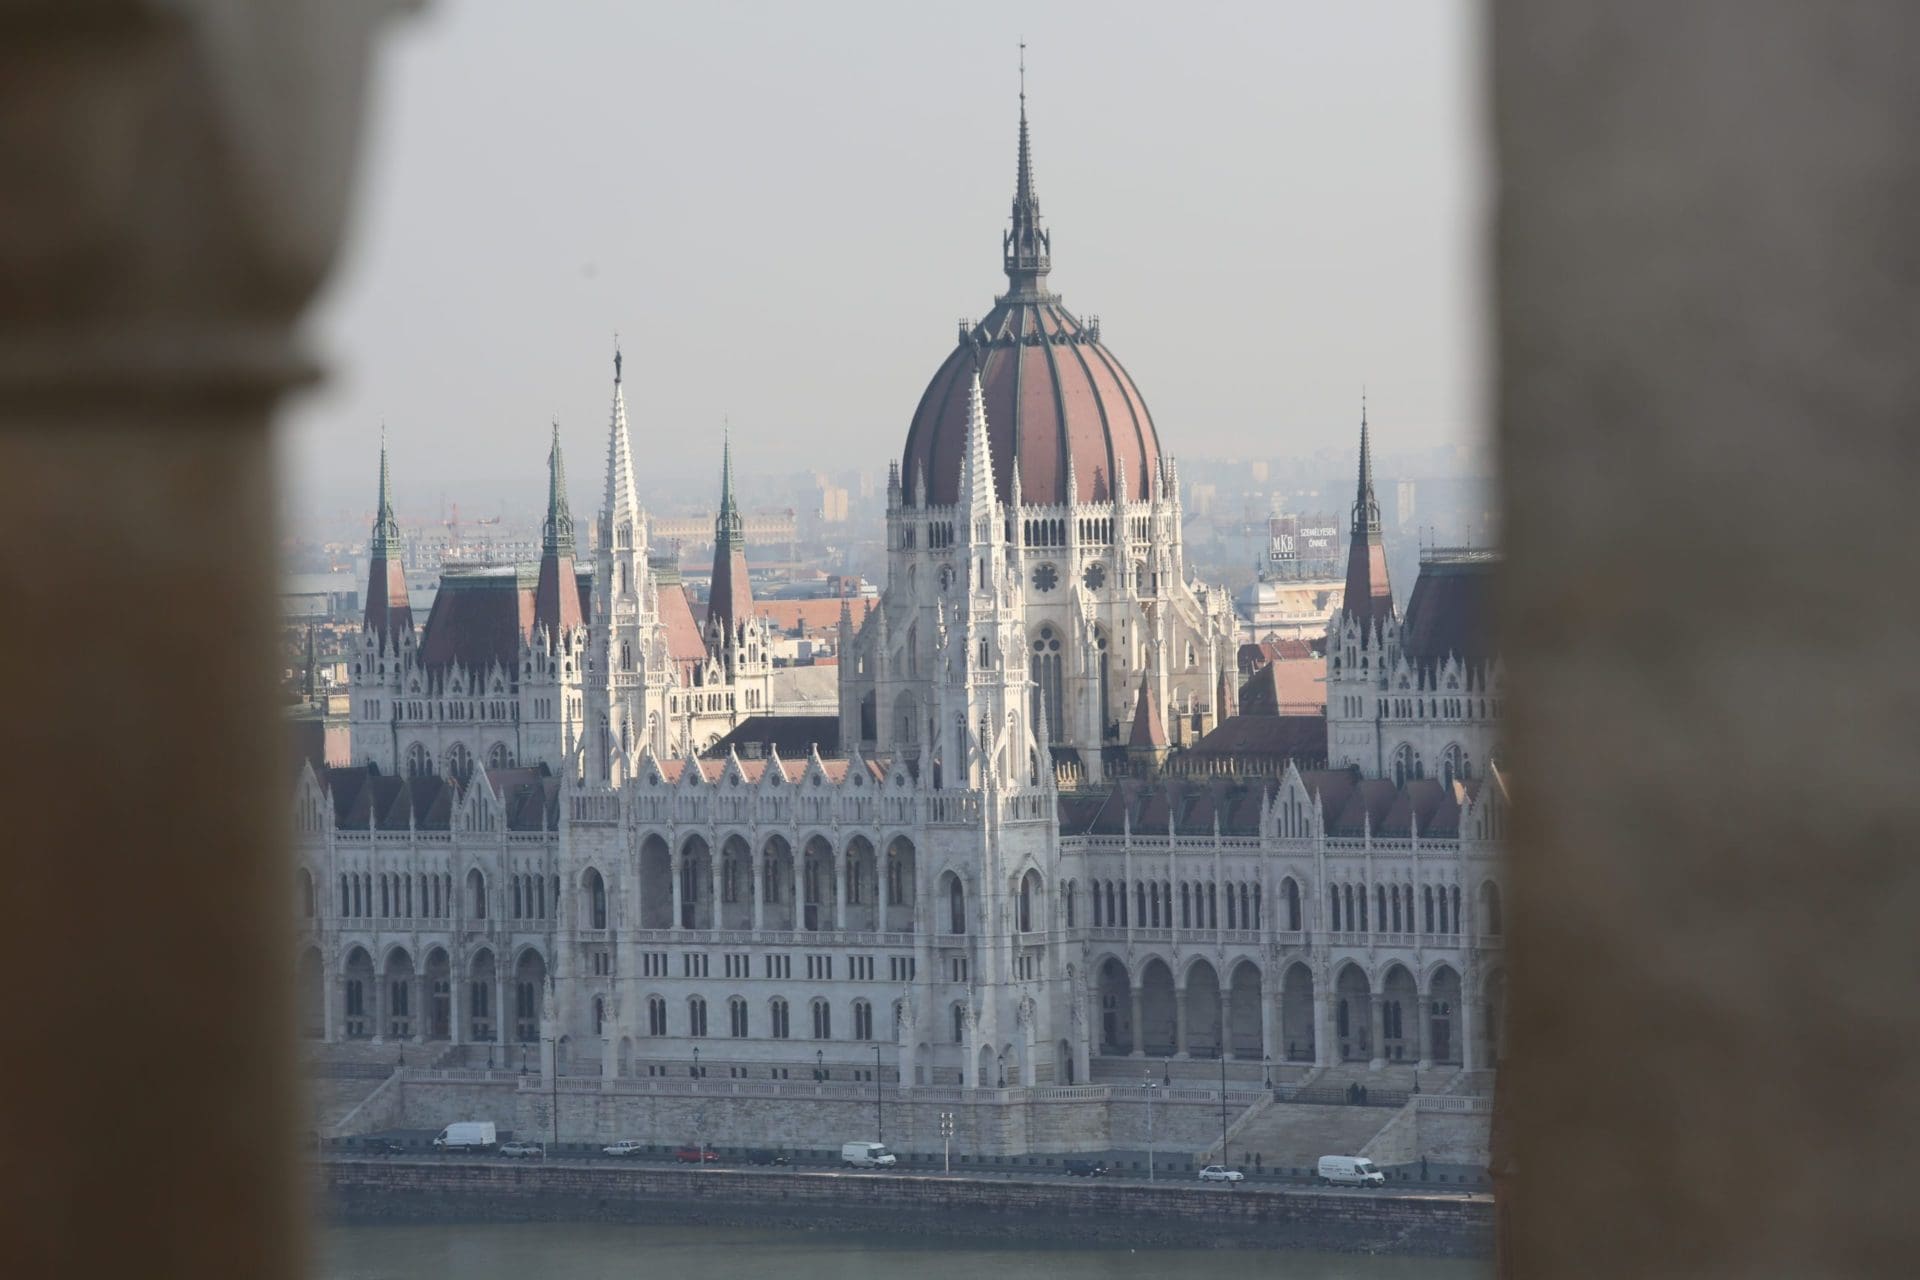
point(783, 214)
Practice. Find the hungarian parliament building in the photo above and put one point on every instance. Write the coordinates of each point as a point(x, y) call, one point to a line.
point(1053, 829)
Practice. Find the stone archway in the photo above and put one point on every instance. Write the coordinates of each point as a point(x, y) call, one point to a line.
point(1116, 1008)
point(1246, 1028)
point(1297, 1030)
point(656, 884)
point(1158, 1030)
point(360, 995)
point(398, 996)
point(1353, 1014)
point(1204, 1022)
point(313, 994)
point(439, 988)
point(1399, 1016)
point(483, 1012)
point(1443, 1016)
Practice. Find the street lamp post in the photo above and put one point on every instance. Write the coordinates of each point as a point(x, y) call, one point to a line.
point(695, 1073)
point(946, 1137)
point(879, 1119)
point(553, 1099)
point(1149, 1087)
point(1166, 1073)
point(1003, 1068)
point(1266, 1067)
point(1223, 1104)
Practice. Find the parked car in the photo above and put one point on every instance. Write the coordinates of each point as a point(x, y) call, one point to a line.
point(1086, 1168)
point(1220, 1173)
point(696, 1155)
point(1349, 1171)
point(468, 1135)
point(523, 1151)
point(765, 1155)
point(625, 1147)
point(866, 1155)
point(383, 1147)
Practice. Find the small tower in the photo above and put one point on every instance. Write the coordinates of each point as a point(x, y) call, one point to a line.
point(386, 647)
point(730, 602)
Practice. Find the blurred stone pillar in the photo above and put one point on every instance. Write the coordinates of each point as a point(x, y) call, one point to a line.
point(1708, 301)
point(177, 174)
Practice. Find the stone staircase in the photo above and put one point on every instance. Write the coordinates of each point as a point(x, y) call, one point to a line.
point(1196, 1073)
point(1295, 1135)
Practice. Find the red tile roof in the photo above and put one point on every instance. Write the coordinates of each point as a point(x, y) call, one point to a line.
point(1289, 686)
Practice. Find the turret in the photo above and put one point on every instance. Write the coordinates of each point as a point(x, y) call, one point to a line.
point(389, 614)
point(1369, 599)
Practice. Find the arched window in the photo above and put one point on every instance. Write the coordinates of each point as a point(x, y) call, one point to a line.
point(1454, 914)
point(1046, 670)
point(959, 1024)
point(778, 1011)
point(737, 1017)
point(1028, 883)
point(419, 761)
point(596, 901)
point(626, 649)
point(1490, 909)
point(697, 1017)
point(656, 1015)
point(498, 757)
point(1069, 903)
point(956, 906)
point(862, 1020)
point(306, 893)
point(459, 763)
point(1426, 897)
point(822, 1020)
point(599, 1014)
point(1380, 907)
point(1292, 891)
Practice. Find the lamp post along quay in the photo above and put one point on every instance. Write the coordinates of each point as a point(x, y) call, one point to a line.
point(1148, 1085)
point(1223, 1103)
point(879, 1119)
point(946, 1137)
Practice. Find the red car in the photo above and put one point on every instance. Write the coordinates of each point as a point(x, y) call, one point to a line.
point(696, 1155)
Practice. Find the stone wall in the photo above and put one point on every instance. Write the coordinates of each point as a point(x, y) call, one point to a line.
point(1057, 1211)
point(591, 1111)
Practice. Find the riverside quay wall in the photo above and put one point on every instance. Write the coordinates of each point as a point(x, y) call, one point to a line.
point(795, 1114)
point(1045, 1212)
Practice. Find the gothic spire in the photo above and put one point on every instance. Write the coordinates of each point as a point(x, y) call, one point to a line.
point(622, 501)
point(556, 594)
point(556, 535)
point(386, 530)
point(976, 465)
point(388, 611)
point(730, 597)
point(1366, 508)
point(1027, 246)
point(1369, 597)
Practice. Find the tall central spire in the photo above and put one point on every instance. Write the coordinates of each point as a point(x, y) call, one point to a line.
point(1027, 246)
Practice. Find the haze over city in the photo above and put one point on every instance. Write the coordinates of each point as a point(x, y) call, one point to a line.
point(783, 224)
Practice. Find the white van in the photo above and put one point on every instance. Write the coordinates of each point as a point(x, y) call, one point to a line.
point(468, 1135)
point(866, 1155)
point(1350, 1171)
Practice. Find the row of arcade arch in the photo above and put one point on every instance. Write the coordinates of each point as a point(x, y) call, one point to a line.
point(1397, 1019)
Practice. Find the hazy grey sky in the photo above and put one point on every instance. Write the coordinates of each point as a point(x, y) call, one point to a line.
point(783, 209)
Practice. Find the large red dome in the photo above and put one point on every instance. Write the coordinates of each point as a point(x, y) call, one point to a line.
point(1053, 394)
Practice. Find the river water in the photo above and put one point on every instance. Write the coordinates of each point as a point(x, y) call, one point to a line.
point(600, 1252)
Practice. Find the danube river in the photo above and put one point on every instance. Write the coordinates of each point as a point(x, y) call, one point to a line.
point(600, 1252)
